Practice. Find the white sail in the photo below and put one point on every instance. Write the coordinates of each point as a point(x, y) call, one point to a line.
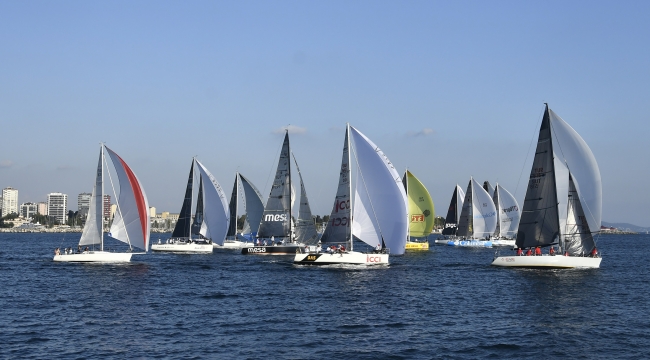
point(461, 200)
point(216, 214)
point(253, 205)
point(131, 223)
point(573, 151)
point(484, 213)
point(380, 193)
point(508, 212)
point(365, 226)
point(92, 232)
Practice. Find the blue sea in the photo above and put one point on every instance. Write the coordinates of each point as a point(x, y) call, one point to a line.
point(447, 303)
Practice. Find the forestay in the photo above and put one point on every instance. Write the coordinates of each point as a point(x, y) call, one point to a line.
point(216, 216)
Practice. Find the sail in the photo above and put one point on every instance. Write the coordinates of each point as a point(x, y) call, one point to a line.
point(232, 225)
point(184, 223)
point(338, 226)
point(198, 214)
point(253, 205)
point(131, 223)
point(465, 222)
point(420, 206)
point(574, 152)
point(92, 232)
point(539, 224)
point(483, 212)
point(216, 216)
point(305, 228)
point(381, 195)
point(578, 239)
point(508, 211)
point(453, 213)
point(488, 187)
point(276, 220)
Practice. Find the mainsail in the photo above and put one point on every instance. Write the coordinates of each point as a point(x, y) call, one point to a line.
point(184, 223)
point(420, 206)
point(253, 205)
point(507, 211)
point(216, 216)
point(338, 226)
point(380, 206)
point(454, 212)
point(131, 223)
point(232, 226)
point(305, 228)
point(276, 220)
point(92, 232)
point(197, 224)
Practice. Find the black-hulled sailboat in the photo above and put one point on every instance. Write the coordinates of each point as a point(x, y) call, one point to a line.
point(563, 203)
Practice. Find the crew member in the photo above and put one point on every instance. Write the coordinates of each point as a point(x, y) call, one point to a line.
point(520, 251)
point(594, 252)
point(538, 251)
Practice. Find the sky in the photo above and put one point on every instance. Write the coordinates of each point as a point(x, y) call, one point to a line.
point(449, 89)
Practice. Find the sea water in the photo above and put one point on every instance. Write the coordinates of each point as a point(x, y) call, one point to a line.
point(444, 303)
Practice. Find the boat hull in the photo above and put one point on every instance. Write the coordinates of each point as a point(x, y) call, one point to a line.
point(94, 256)
point(548, 261)
point(183, 247)
point(410, 245)
point(470, 243)
point(232, 244)
point(271, 250)
point(346, 258)
point(503, 242)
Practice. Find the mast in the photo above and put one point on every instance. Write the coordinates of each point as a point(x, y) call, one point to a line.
point(347, 133)
point(406, 187)
point(101, 238)
point(289, 181)
point(189, 228)
point(557, 213)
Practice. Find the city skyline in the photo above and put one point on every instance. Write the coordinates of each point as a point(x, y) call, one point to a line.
point(447, 90)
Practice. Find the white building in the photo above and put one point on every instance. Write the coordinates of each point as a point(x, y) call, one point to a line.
point(28, 209)
point(83, 204)
point(9, 201)
point(57, 207)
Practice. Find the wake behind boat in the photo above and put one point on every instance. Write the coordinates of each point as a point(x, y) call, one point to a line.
point(563, 203)
point(131, 222)
point(379, 209)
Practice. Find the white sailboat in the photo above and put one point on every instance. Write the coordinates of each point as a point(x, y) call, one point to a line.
point(378, 215)
point(507, 217)
point(211, 210)
point(563, 203)
point(477, 219)
point(131, 221)
point(254, 208)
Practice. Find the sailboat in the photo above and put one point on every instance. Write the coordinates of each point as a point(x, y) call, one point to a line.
point(254, 208)
point(477, 219)
point(507, 217)
point(421, 212)
point(275, 235)
point(453, 216)
point(563, 203)
point(131, 221)
point(378, 215)
point(211, 212)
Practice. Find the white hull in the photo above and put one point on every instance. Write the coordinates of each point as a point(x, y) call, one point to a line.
point(346, 258)
point(94, 256)
point(470, 243)
point(502, 242)
point(548, 261)
point(183, 247)
point(232, 244)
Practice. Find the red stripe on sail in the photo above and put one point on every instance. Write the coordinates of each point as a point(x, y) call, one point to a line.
point(139, 199)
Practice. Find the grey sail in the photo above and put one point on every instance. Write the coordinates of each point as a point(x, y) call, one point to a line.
point(338, 226)
point(276, 220)
point(198, 214)
point(488, 187)
point(539, 224)
point(253, 206)
point(305, 228)
point(465, 223)
point(232, 226)
point(92, 232)
point(578, 239)
point(184, 223)
point(495, 199)
point(451, 221)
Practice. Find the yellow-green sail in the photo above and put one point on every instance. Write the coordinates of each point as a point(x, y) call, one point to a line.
point(421, 210)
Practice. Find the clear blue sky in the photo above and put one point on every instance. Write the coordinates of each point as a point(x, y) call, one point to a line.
point(162, 81)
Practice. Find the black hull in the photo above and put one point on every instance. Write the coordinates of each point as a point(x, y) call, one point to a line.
point(270, 250)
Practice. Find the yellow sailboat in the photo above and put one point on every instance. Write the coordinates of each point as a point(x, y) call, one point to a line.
point(421, 213)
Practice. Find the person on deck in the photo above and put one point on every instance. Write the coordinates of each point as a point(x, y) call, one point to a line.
point(529, 252)
point(378, 248)
point(57, 252)
point(551, 251)
point(594, 252)
point(520, 251)
point(538, 251)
